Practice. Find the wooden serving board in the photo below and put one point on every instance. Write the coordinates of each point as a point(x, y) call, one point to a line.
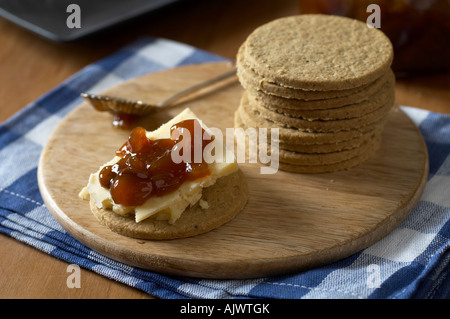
point(291, 221)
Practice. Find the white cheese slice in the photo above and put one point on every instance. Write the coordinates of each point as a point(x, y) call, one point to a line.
point(170, 206)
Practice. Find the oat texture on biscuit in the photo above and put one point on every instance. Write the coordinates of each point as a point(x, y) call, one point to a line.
point(225, 199)
point(370, 103)
point(318, 52)
point(252, 118)
point(365, 98)
point(325, 125)
point(317, 148)
point(251, 80)
point(325, 82)
point(327, 168)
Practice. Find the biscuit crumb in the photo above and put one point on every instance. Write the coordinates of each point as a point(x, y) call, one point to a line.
point(282, 71)
point(261, 83)
point(203, 204)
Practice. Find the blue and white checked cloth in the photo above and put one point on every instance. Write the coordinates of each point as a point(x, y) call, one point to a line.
point(411, 262)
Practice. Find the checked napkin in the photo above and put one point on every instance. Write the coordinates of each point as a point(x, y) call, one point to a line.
point(411, 262)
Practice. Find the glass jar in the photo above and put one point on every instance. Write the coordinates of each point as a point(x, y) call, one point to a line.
point(419, 29)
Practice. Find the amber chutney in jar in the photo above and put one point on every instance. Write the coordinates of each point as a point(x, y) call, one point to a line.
point(418, 29)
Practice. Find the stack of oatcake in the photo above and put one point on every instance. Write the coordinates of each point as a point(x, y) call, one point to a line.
point(326, 83)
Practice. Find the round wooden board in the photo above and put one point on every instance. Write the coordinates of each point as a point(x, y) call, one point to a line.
point(291, 221)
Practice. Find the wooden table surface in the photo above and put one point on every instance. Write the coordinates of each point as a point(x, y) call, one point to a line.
point(31, 65)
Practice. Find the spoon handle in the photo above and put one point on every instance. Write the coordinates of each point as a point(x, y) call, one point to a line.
point(197, 87)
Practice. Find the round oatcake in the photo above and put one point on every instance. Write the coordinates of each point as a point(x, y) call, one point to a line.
point(320, 148)
point(318, 52)
point(369, 105)
point(252, 81)
point(326, 168)
point(295, 136)
point(226, 198)
point(319, 159)
point(328, 158)
point(336, 105)
point(324, 125)
point(313, 164)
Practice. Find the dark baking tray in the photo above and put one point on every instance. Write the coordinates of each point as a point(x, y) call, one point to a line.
point(48, 17)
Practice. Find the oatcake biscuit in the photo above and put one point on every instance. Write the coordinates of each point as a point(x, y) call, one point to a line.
point(315, 159)
point(225, 199)
point(295, 136)
point(328, 147)
point(315, 164)
point(318, 148)
point(337, 108)
point(321, 125)
point(318, 125)
point(327, 158)
point(318, 52)
point(324, 82)
point(316, 169)
point(252, 81)
point(339, 113)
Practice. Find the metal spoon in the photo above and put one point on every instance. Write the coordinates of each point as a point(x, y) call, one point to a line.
point(117, 105)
